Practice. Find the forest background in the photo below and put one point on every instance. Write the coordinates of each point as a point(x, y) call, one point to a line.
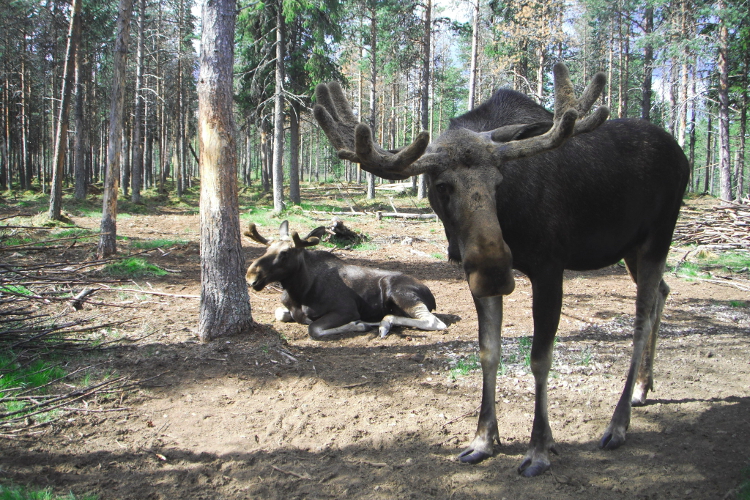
point(407, 66)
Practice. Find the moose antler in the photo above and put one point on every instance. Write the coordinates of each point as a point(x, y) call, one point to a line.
point(354, 141)
point(566, 122)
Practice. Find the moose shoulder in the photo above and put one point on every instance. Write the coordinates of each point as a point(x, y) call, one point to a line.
point(331, 296)
point(519, 187)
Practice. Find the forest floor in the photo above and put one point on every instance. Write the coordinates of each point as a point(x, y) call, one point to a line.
point(276, 415)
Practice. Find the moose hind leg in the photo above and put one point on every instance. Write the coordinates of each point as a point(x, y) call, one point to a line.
point(645, 380)
point(334, 323)
point(421, 318)
point(650, 296)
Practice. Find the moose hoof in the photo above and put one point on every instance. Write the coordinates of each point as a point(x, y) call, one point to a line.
point(472, 456)
point(531, 468)
point(612, 440)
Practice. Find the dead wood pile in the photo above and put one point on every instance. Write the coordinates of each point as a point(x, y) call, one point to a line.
point(719, 227)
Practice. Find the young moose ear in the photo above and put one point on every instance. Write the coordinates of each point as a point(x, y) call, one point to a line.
point(284, 230)
point(318, 232)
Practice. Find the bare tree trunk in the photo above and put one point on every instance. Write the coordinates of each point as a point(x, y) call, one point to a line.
point(225, 304)
point(474, 55)
point(373, 95)
point(25, 170)
point(61, 139)
point(740, 166)
point(107, 240)
point(294, 170)
point(725, 167)
point(79, 166)
point(425, 102)
point(137, 153)
point(278, 113)
point(648, 68)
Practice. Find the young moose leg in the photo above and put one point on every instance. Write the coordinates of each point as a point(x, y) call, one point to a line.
point(546, 306)
point(648, 272)
point(334, 323)
point(421, 318)
point(490, 312)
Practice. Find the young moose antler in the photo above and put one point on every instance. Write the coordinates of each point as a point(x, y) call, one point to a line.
point(354, 141)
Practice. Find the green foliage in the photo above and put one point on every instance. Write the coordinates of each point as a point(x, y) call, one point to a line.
point(15, 290)
point(463, 366)
point(524, 349)
point(26, 493)
point(133, 267)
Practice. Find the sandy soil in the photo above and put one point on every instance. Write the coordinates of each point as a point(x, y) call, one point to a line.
point(276, 415)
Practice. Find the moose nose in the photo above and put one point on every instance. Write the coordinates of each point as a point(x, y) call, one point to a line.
point(489, 271)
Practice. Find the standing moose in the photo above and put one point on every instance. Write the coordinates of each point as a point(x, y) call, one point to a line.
point(519, 187)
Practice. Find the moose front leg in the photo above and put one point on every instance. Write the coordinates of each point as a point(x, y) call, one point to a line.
point(546, 307)
point(490, 313)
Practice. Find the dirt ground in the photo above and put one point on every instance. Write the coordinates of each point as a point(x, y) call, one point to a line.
point(276, 415)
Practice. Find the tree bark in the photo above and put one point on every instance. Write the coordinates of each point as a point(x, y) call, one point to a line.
point(278, 113)
point(648, 61)
point(294, 170)
point(79, 149)
point(474, 55)
point(61, 139)
point(425, 97)
point(137, 154)
point(725, 167)
point(224, 305)
point(373, 82)
point(107, 240)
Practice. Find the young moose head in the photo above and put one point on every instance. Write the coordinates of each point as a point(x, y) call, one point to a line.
point(464, 169)
point(283, 256)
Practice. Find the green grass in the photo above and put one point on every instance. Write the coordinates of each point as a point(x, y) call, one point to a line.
point(586, 357)
point(739, 303)
point(524, 349)
point(16, 290)
point(463, 366)
point(17, 378)
point(438, 255)
point(133, 267)
point(26, 493)
point(691, 270)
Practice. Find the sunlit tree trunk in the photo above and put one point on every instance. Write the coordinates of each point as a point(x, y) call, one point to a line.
point(278, 113)
point(137, 154)
point(723, 67)
point(425, 101)
point(474, 55)
point(225, 305)
point(107, 240)
point(61, 138)
point(648, 61)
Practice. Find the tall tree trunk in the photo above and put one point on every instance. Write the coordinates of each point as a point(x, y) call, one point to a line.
point(740, 166)
point(648, 62)
point(474, 55)
point(373, 90)
point(107, 240)
point(25, 169)
point(225, 304)
point(725, 167)
point(61, 139)
point(425, 97)
point(294, 170)
point(278, 113)
point(137, 153)
point(79, 153)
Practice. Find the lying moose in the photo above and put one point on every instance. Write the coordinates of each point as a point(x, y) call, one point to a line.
point(331, 296)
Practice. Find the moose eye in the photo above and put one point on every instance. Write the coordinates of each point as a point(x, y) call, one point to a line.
point(442, 188)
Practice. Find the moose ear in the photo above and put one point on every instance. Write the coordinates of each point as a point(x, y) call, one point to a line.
point(284, 230)
point(307, 242)
point(520, 131)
